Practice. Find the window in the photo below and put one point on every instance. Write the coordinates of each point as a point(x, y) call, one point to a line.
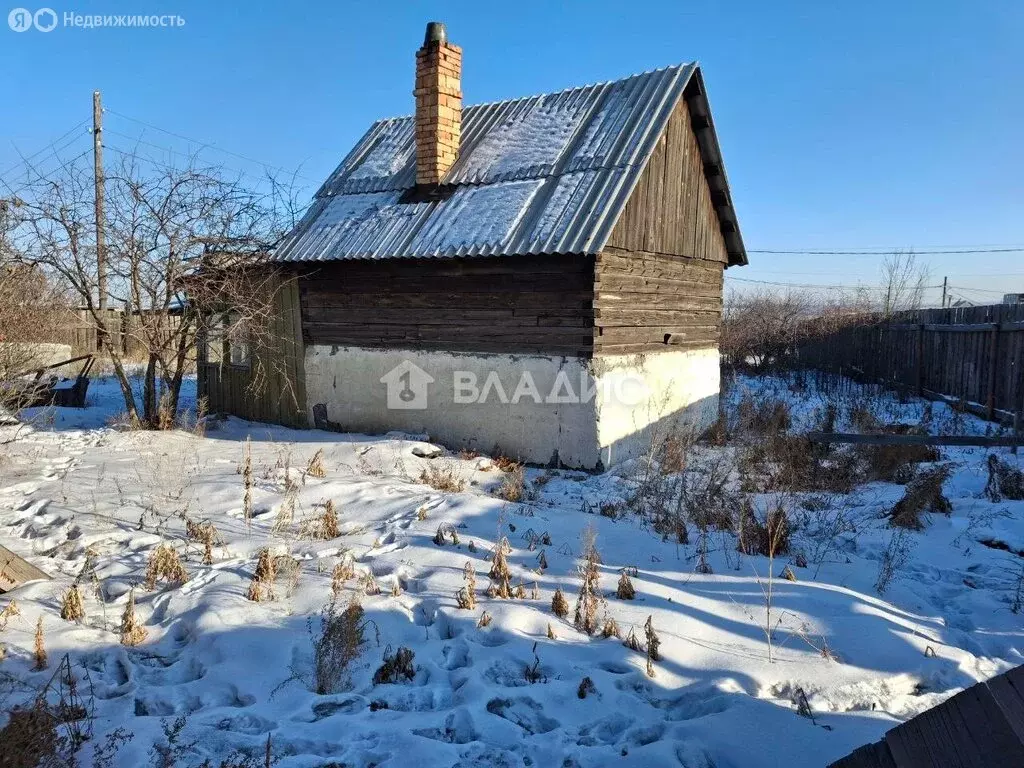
point(227, 341)
point(238, 341)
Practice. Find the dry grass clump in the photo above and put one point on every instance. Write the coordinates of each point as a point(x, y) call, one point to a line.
point(396, 667)
point(589, 599)
point(132, 632)
point(559, 605)
point(625, 589)
point(505, 464)
point(340, 642)
point(165, 565)
point(485, 620)
point(39, 656)
point(513, 486)
point(465, 598)
point(30, 738)
point(442, 477)
point(446, 530)
point(262, 585)
point(316, 467)
point(72, 607)
point(895, 463)
point(768, 416)
point(323, 526)
point(923, 494)
point(204, 533)
point(1004, 481)
point(586, 687)
point(343, 571)
point(551, 632)
point(653, 643)
point(500, 574)
point(610, 628)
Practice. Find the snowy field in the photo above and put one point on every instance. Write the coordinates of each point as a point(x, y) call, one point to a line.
point(87, 501)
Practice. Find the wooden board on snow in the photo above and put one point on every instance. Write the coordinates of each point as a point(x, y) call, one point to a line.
point(15, 570)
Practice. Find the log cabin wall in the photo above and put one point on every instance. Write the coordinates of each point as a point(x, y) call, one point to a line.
point(658, 281)
point(510, 304)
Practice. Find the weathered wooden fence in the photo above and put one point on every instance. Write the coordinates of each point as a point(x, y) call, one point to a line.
point(81, 333)
point(973, 354)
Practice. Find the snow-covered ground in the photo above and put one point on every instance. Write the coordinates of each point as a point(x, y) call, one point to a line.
point(238, 670)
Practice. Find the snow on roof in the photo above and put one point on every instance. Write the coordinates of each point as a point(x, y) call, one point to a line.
point(543, 174)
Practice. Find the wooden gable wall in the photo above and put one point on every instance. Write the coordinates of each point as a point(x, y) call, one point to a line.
point(658, 281)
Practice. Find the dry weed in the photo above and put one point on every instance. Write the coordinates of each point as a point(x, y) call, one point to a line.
point(466, 596)
point(559, 605)
point(396, 666)
point(586, 687)
point(589, 599)
point(72, 607)
point(923, 494)
point(340, 642)
point(262, 585)
point(442, 477)
point(500, 574)
point(132, 632)
point(39, 656)
point(625, 590)
point(165, 565)
point(316, 467)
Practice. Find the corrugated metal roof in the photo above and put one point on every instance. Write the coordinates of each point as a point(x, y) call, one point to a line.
point(544, 174)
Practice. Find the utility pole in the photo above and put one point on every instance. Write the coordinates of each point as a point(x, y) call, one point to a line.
point(97, 156)
point(944, 282)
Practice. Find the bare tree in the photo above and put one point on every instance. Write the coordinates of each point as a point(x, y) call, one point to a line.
point(185, 248)
point(904, 280)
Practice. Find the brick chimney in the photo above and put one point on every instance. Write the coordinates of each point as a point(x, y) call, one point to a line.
point(438, 105)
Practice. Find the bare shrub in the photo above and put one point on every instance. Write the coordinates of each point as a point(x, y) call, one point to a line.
point(165, 565)
point(1004, 481)
point(625, 590)
point(465, 598)
point(339, 644)
point(442, 477)
point(894, 559)
point(30, 738)
point(589, 599)
point(132, 631)
point(396, 667)
point(923, 494)
point(559, 605)
point(72, 608)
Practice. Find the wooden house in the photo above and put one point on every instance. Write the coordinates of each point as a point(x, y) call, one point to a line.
point(540, 276)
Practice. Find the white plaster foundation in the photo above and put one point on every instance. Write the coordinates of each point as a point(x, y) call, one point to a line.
point(539, 409)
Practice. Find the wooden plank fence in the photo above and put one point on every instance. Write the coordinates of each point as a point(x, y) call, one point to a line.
point(80, 331)
point(973, 354)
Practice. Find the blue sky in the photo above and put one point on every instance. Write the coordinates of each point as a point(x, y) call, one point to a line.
point(844, 126)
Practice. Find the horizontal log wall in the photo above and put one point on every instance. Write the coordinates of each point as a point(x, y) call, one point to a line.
point(974, 354)
point(658, 282)
point(510, 304)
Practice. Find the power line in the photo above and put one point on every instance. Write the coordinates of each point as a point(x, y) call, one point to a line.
point(38, 152)
point(205, 144)
point(887, 252)
point(820, 286)
point(43, 178)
